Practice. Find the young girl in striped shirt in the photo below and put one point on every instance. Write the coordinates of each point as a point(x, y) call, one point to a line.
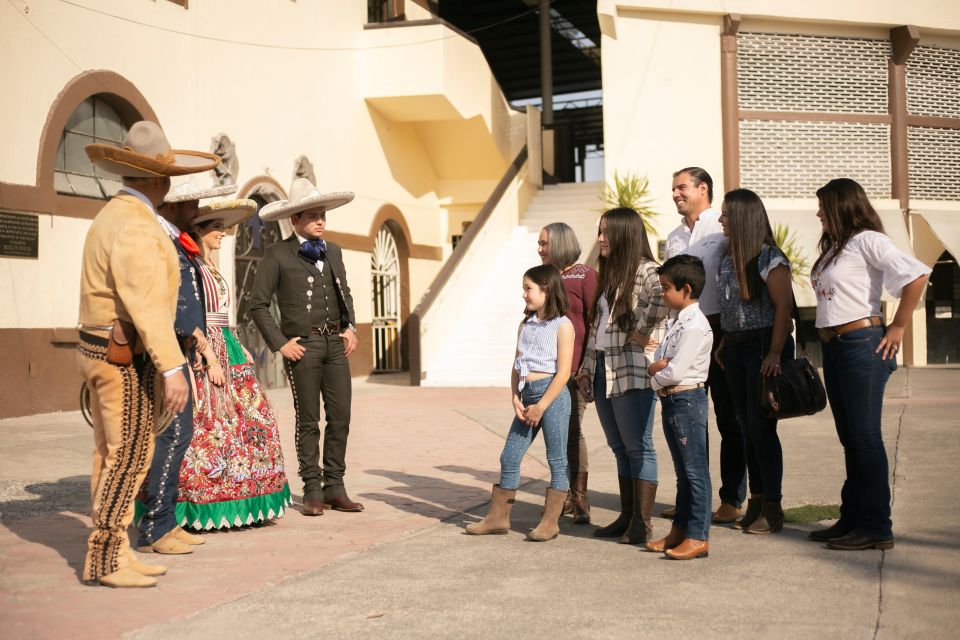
point(538, 385)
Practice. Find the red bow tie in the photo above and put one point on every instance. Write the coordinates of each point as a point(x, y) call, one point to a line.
point(189, 245)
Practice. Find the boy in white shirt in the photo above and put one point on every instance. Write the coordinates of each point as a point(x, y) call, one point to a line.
point(678, 374)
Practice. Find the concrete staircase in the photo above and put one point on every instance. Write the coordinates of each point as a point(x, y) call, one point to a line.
point(479, 350)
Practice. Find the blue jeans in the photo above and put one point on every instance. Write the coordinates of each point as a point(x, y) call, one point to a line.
point(627, 422)
point(685, 428)
point(555, 425)
point(159, 516)
point(764, 454)
point(855, 377)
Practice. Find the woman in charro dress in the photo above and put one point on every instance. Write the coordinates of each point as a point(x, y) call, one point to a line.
point(233, 473)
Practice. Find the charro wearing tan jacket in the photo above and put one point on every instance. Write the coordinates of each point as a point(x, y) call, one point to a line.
point(130, 272)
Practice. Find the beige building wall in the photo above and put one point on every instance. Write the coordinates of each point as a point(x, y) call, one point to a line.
point(662, 81)
point(409, 118)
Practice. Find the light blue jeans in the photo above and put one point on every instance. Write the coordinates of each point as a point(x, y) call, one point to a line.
point(627, 422)
point(555, 425)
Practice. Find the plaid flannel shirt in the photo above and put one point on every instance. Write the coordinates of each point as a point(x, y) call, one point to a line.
point(626, 364)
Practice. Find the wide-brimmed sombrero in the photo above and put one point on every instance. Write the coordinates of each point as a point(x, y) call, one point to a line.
point(145, 153)
point(191, 190)
point(304, 196)
point(230, 211)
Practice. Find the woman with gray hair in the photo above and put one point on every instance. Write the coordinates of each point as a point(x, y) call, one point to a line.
point(558, 246)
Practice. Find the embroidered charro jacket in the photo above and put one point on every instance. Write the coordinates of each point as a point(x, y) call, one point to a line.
point(303, 293)
point(626, 363)
point(130, 272)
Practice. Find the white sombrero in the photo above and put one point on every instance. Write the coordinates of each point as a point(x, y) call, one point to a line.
point(304, 196)
point(230, 211)
point(145, 153)
point(191, 190)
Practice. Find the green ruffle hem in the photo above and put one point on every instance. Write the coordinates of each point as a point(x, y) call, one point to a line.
point(231, 513)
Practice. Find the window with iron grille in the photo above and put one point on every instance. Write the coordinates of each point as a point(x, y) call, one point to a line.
point(93, 121)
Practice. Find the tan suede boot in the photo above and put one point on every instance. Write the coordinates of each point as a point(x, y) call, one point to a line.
point(144, 569)
point(187, 538)
point(548, 529)
point(168, 545)
point(497, 520)
point(127, 578)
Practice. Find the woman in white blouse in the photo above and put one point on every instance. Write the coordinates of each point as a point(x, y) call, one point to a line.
point(857, 259)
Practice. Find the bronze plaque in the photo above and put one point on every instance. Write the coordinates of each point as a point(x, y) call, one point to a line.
point(19, 235)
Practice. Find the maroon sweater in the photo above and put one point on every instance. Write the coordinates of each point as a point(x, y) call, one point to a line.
point(580, 282)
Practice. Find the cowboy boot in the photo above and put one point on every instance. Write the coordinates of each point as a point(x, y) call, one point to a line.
point(127, 578)
point(187, 538)
point(754, 509)
point(617, 528)
point(578, 492)
point(726, 514)
point(770, 521)
point(548, 529)
point(689, 549)
point(673, 539)
point(168, 545)
point(640, 528)
point(144, 569)
point(497, 520)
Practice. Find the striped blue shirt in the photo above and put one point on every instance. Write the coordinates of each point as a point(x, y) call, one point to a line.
point(537, 346)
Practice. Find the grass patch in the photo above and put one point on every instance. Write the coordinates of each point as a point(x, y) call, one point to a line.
point(810, 513)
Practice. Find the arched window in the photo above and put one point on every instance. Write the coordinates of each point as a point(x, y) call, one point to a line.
point(385, 270)
point(94, 120)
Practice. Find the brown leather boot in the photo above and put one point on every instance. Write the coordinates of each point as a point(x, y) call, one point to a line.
point(754, 509)
point(619, 526)
point(770, 521)
point(669, 512)
point(673, 539)
point(497, 520)
point(578, 495)
point(726, 514)
point(689, 549)
point(640, 529)
point(548, 529)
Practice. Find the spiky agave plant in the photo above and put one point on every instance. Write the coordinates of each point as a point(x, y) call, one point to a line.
point(790, 245)
point(631, 191)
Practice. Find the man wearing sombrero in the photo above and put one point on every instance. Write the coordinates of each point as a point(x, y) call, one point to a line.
point(159, 530)
point(128, 297)
point(316, 335)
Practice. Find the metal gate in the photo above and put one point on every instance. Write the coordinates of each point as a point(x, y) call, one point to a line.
point(253, 236)
point(385, 271)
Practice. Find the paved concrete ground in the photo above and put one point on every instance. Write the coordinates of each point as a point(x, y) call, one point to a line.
point(422, 460)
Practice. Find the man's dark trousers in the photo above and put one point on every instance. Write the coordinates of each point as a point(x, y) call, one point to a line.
point(733, 461)
point(322, 373)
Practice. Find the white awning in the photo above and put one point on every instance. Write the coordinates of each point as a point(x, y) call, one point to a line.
point(944, 220)
point(800, 217)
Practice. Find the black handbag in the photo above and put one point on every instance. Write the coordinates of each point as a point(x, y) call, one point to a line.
point(797, 390)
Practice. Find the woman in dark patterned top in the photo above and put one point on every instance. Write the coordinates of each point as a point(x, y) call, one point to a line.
point(756, 301)
point(558, 246)
point(627, 320)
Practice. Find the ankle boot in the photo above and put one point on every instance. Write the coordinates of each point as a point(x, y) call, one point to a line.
point(754, 509)
point(578, 494)
point(617, 528)
point(689, 549)
point(548, 529)
point(673, 539)
point(770, 521)
point(640, 529)
point(497, 520)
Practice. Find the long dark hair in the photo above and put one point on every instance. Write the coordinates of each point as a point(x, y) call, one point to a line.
point(547, 277)
point(617, 273)
point(846, 212)
point(749, 229)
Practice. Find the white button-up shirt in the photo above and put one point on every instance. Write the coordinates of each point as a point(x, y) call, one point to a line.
point(706, 242)
point(688, 346)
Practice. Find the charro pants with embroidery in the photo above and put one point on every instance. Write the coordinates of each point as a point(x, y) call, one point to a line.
point(159, 515)
point(122, 403)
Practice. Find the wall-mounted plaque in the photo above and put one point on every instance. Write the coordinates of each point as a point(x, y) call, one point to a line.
point(19, 235)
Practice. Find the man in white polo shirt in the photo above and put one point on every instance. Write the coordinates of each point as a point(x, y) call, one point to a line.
point(701, 235)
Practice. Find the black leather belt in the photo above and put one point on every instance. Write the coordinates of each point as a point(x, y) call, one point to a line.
point(325, 330)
